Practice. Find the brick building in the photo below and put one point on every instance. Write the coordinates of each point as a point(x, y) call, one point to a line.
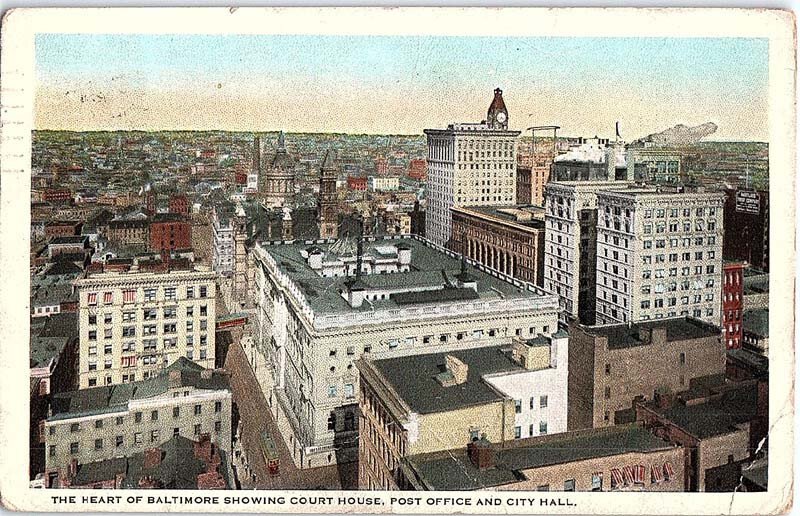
point(720, 428)
point(170, 232)
point(129, 231)
point(57, 195)
point(179, 203)
point(611, 365)
point(62, 228)
point(179, 463)
point(509, 239)
point(418, 169)
point(624, 458)
point(358, 184)
point(732, 304)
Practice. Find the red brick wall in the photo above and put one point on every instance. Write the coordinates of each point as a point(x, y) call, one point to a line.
point(170, 236)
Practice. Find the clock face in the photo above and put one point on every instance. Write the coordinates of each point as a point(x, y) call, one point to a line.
point(501, 117)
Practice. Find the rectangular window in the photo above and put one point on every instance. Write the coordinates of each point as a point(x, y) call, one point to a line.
point(517, 432)
point(170, 293)
point(569, 484)
point(137, 417)
point(137, 438)
point(543, 401)
point(542, 427)
point(73, 448)
point(98, 444)
point(197, 429)
point(198, 409)
point(518, 406)
point(597, 481)
point(149, 294)
point(203, 291)
point(118, 441)
point(331, 391)
point(154, 436)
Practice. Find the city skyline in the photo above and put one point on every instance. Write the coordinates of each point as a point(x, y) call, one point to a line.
point(398, 85)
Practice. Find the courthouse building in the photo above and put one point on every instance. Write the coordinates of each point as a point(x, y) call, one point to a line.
point(315, 316)
point(135, 322)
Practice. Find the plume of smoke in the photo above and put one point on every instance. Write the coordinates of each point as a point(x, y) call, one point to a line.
point(680, 135)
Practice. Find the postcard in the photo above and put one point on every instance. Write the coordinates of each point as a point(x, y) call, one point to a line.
point(398, 260)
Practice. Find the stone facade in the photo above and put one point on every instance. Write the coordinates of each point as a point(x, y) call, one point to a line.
point(468, 165)
point(513, 245)
point(659, 254)
point(133, 324)
point(611, 365)
point(570, 250)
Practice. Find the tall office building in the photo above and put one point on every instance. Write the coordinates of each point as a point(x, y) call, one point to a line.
point(659, 254)
point(252, 176)
point(570, 251)
point(469, 164)
point(134, 324)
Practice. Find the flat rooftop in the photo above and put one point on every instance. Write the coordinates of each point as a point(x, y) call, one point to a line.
point(756, 321)
point(627, 336)
point(439, 472)
point(115, 398)
point(428, 269)
point(520, 215)
point(719, 415)
point(414, 378)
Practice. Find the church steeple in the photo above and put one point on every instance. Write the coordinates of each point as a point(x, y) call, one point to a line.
point(279, 178)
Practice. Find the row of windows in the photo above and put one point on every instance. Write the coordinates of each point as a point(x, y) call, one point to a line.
point(660, 213)
point(661, 227)
point(150, 293)
point(542, 430)
point(676, 242)
point(685, 271)
point(542, 403)
point(137, 439)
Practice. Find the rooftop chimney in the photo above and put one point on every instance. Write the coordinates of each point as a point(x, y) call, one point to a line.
point(152, 457)
point(458, 368)
point(480, 453)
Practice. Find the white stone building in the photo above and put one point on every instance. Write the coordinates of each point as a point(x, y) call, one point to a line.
point(469, 164)
point(315, 317)
point(134, 324)
point(659, 254)
point(570, 244)
point(539, 389)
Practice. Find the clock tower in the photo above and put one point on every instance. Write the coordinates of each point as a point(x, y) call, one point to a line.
point(497, 117)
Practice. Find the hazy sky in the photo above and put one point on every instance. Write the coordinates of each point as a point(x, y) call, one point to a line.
point(404, 84)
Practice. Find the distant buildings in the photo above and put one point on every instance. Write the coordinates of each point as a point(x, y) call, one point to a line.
point(418, 169)
point(659, 254)
point(130, 231)
point(279, 178)
point(357, 184)
point(133, 323)
point(755, 333)
point(611, 365)
point(383, 183)
point(469, 164)
point(509, 239)
point(112, 421)
point(315, 316)
point(223, 227)
point(327, 209)
point(592, 160)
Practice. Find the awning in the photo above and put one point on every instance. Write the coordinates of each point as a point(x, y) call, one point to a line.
point(638, 474)
point(128, 296)
point(107, 298)
point(656, 474)
point(627, 472)
point(616, 478)
point(92, 298)
point(669, 473)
